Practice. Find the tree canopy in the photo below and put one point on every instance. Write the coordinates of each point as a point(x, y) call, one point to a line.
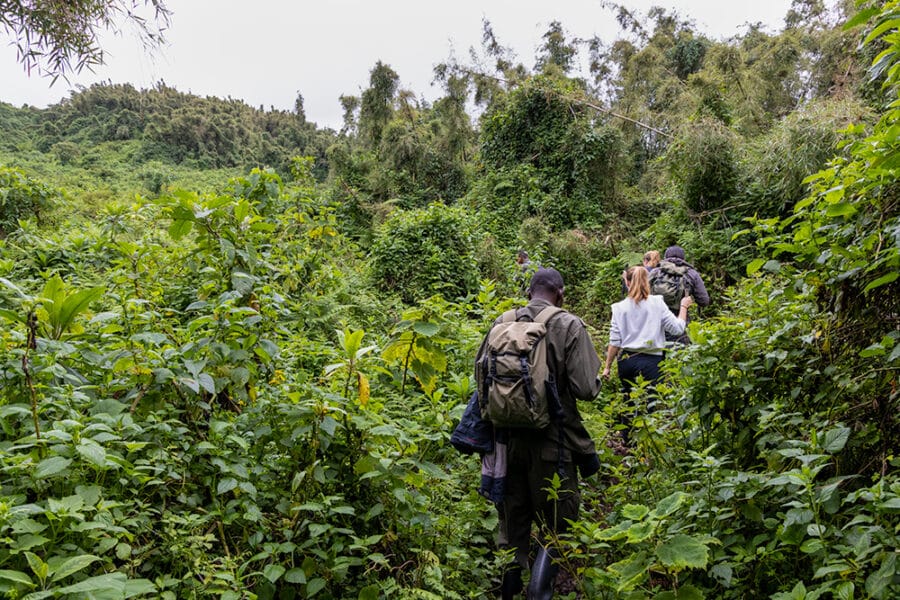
point(59, 38)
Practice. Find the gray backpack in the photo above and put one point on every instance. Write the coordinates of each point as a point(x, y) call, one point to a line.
point(515, 385)
point(668, 280)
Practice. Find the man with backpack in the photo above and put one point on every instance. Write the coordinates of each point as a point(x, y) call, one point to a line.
point(530, 369)
point(673, 279)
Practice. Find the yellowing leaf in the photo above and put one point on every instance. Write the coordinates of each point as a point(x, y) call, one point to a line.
point(363, 382)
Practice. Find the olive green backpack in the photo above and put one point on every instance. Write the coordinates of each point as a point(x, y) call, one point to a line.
point(515, 385)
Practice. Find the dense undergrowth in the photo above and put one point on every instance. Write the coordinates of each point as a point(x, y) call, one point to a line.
point(240, 383)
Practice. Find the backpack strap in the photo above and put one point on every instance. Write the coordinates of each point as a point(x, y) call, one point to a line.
point(508, 316)
point(548, 313)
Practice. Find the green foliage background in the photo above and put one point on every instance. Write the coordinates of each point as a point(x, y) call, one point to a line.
point(234, 345)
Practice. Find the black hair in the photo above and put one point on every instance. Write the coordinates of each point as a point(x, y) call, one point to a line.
point(546, 279)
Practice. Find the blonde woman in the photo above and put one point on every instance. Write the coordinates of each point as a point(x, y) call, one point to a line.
point(637, 333)
point(651, 260)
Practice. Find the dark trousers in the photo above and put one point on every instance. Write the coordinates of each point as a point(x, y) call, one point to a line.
point(532, 460)
point(632, 366)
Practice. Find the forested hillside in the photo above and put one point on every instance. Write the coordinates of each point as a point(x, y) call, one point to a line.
point(234, 344)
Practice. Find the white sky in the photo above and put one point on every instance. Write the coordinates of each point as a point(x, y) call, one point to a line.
point(265, 52)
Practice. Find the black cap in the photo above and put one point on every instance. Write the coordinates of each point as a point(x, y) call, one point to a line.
point(546, 278)
point(675, 252)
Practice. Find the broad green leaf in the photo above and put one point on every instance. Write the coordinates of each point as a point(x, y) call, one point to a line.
point(6, 282)
point(811, 546)
point(635, 512)
point(206, 382)
point(114, 582)
point(755, 265)
point(723, 573)
point(817, 531)
point(835, 439)
point(16, 576)
point(877, 583)
point(273, 572)
point(75, 304)
point(873, 350)
point(631, 571)
point(123, 551)
point(683, 552)
point(891, 504)
point(29, 541)
point(839, 567)
point(38, 566)
point(28, 526)
point(883, 280)
point(685, 592)
point(840, 209)
point(314, 587)
point(882, 28)
point(51, 466)
point(640, 531)
point(73, 565)
point(295, 575)
point(370, 592)
point(844, 590)
point(92, 452)
point(191, 384)
point(861, 17)
point(179, 229)
point(669, 504)
point(226, 485)
point(11, 315)
point(611, 534)
point(425, 328)
point(772, 266)
point(140, 587)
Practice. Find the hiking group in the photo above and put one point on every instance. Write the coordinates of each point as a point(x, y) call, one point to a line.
point(534, 363)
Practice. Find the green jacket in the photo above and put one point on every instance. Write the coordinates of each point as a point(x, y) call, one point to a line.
point(575, 365)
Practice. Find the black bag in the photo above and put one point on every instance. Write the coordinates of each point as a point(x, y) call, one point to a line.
point(473, 434)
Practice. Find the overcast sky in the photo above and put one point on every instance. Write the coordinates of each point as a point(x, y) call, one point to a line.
point(265, 52)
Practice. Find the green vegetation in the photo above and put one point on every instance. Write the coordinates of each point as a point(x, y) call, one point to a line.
point(234, 345)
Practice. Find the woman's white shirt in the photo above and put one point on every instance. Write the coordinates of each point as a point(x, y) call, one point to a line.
point(643, 326)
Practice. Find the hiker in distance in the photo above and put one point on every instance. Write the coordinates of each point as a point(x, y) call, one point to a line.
point(650, 262)
point(524, 269)
point(557, 444)
point(674, 279)
point(638, 328)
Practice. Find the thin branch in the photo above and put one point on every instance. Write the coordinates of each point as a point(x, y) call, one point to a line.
point(623, 117)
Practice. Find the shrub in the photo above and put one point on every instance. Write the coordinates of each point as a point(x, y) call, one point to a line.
point(422, 252)
point(703, 162)
point(21, 197)
point(543, 126)
point(800, 144)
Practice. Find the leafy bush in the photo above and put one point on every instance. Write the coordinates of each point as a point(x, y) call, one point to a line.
point(800, 144)
point(704, 163)
point(543, 126)
point(21, 197)
point(506, 197)
point(423, 252)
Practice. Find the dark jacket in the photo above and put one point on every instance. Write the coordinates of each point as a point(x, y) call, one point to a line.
point(695, 285)
point(575, 365)
point(473, 434)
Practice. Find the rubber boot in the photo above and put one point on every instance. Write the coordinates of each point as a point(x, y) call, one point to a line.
point(543, 576)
